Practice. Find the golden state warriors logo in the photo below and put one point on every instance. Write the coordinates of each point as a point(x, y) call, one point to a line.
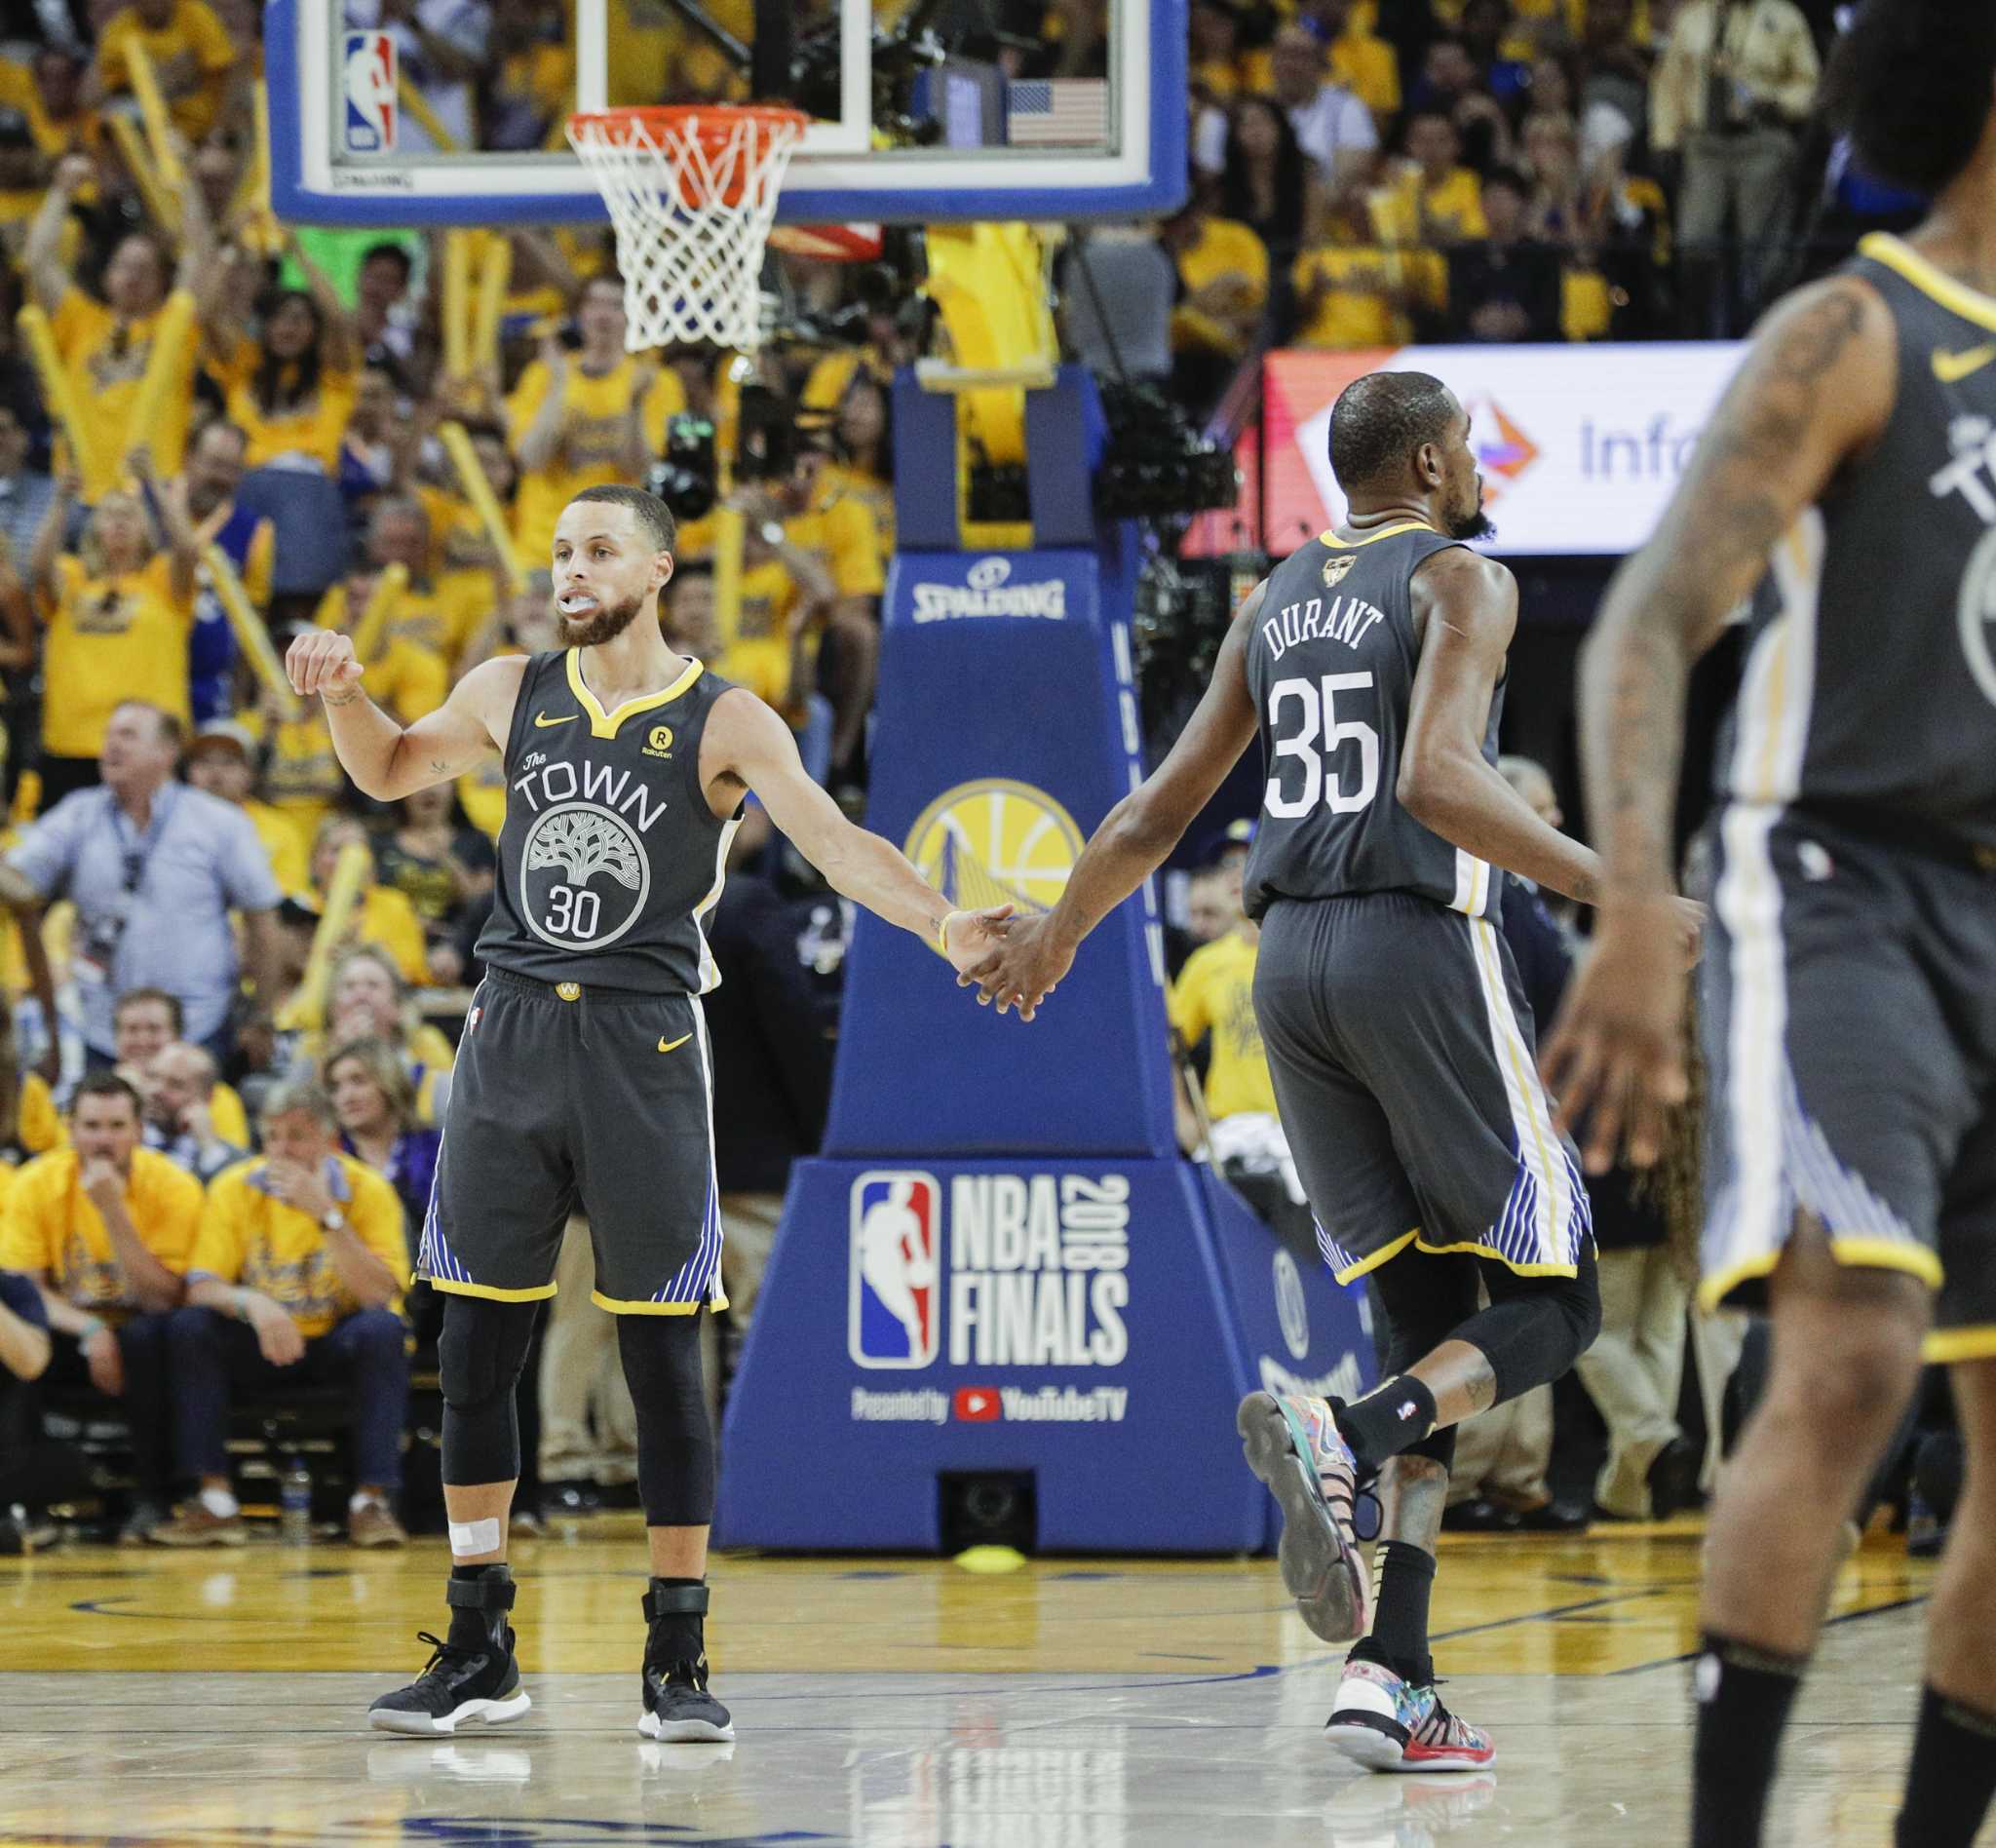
point(995, 842)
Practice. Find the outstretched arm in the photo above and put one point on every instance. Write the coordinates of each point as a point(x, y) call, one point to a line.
point(389, 761)
point(747, 746)
point(1136, 835)
point(1815, 391)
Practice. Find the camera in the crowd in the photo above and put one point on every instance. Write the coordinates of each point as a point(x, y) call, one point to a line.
point(1156, 465)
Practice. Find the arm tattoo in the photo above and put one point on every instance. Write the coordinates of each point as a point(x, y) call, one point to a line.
point(439, 767)
point(1670, 601)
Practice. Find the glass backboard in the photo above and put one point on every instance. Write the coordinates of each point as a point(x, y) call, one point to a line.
point(923, 111)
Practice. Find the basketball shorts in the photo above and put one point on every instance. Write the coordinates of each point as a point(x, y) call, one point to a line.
point(1849, 1024)
point(1401, 1048)
point(573, 1098)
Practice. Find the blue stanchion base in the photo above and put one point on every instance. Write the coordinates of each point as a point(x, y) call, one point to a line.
point(1091, 1324)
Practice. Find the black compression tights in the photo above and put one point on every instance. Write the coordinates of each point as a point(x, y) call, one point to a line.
point(480, 1356)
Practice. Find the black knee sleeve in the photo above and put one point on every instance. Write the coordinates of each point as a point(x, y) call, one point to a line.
point(1536, 1326)
point(675, 1435)
point(478, 1359)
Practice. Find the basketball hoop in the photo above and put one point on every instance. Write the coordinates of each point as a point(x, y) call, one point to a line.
point(692, 192)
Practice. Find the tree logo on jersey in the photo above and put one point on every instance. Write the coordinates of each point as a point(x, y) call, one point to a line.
point(1977, 611)
point(584, 876)
point(1337, 569)
point(995, 841)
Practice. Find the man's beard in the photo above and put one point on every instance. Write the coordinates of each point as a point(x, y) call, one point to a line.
point(1474, 524)
point(605, 623)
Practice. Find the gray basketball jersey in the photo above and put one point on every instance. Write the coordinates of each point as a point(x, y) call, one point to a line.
point(1870, 687)
point(1331, 666)
point(610, 855)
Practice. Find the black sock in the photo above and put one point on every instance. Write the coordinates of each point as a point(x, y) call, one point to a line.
point(1390, 1419)
point(1953, 1775)
point(1398, 1639)
point(1744, 1696)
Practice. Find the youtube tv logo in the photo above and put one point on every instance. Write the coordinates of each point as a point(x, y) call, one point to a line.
point(977, 1405)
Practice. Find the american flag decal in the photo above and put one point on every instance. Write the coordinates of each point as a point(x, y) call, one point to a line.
point(1057, 112)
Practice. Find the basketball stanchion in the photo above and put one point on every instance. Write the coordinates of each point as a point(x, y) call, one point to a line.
point(1027, 1320)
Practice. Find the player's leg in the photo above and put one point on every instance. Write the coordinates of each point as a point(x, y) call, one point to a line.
point(654, 1211)
point(1825, 1173)
point(675, 1477)
point(1846, 1357)
point(1953, 1772)
point(1387, 1715)
point(501, 1194)
point(1952, 1777)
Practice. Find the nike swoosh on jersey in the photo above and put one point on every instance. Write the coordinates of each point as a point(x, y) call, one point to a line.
point(668, 1046)
point(542, 721)
point(1950, 368)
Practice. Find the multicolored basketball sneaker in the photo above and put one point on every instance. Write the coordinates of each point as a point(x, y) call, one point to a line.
point(1292, 1445)
point(1388, 1724)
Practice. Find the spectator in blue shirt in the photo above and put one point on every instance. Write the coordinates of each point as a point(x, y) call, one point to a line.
point(154, 869)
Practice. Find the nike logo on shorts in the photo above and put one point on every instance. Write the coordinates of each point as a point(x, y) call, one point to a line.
point(1950, 368)
point(668, 1046)
point(542, 721)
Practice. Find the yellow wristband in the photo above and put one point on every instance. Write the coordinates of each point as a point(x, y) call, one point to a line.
point(942, 934)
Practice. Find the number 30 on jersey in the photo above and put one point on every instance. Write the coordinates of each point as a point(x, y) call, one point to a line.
point(1315, 734)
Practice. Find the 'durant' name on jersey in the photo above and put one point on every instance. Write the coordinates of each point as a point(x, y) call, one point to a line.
point(1345, 619)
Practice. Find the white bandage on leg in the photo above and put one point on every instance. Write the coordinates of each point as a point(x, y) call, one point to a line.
point(469, 1538)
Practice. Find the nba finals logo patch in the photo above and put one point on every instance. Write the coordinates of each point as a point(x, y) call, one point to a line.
point(894, 1316)
point(368, 77)
point(995, 841)
point(1337, 569)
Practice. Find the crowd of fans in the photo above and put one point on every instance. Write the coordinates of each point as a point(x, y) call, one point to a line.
point(218, 1155)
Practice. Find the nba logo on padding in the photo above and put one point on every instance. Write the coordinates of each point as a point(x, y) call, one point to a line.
point(368, 81)
point(895, 1316)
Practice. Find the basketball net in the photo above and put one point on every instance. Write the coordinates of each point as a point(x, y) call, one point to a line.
point(692, 193)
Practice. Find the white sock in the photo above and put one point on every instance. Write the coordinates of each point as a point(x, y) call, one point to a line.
point(362, 1497)
point(220, 1503)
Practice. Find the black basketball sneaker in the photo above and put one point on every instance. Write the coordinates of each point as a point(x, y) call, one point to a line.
point(472, 1675)
point(678, 1708)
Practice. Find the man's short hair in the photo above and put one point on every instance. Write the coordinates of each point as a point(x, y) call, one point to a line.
point(394, 253)
point(170, 729)
point(107, 1084)
point(1380, 420)
point(134, 997)
point(652, 513)
point(301, 1096)
point(1910, 80)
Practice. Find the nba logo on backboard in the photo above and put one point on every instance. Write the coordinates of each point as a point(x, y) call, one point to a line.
point(367, 81)
point(894, 1300)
